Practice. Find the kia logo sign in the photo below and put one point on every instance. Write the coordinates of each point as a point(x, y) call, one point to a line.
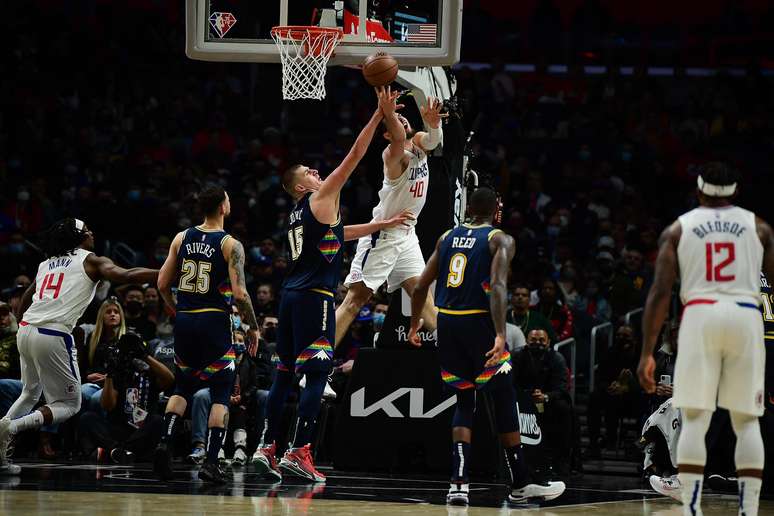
point(416, 404)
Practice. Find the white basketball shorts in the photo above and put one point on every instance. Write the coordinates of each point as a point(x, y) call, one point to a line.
point(49, 363)
point(721, 357)
point(393, 256)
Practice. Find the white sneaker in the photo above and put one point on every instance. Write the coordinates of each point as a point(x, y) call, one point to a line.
point(458, 494)
point(328, 392)
point(547, 491)
point(667, 486)
point(240, 457)
point(6, 468)
point(221, 456)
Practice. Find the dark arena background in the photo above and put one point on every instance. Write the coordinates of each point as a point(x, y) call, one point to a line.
point(591, 118)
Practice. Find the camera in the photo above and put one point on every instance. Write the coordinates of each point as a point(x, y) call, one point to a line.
point(126, 356)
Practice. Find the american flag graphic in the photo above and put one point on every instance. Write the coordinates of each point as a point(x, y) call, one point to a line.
point(420, 32)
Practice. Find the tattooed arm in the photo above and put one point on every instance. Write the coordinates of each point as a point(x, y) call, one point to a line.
point(235, 254)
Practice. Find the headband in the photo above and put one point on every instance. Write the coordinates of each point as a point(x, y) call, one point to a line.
point(715, 190)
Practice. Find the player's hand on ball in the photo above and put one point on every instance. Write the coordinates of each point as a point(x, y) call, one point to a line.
point(645, 373)
point(387, 100)
point(252, 337)
point(431, 113)
point(413, 338)
point(400, 219)
point(495, 354)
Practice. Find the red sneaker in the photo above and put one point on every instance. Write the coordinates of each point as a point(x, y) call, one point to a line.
point(265, 461)
point(298, 462)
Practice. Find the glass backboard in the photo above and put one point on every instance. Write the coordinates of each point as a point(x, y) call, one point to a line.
point(415, 32)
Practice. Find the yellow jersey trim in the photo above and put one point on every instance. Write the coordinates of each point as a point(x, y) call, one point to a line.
point(493, 233)
point(471, 226)
point(223, 240)
point(200, 228)
point(462, 312)
point(202, 310)
point(321, 291)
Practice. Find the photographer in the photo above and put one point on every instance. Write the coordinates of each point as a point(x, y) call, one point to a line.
point(132, 384)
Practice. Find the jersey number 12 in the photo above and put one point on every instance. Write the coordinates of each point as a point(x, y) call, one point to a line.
point(719, 256)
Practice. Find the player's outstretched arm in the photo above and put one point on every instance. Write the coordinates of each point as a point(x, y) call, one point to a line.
point(335, 181)
point(657, 303)
point(393, 154)
point(235, 254)
point(431, 115)
point(100, 267)
point(419, 296)
point(503, 248)
point(168, 272)
point(766, 234)
point(355, 231)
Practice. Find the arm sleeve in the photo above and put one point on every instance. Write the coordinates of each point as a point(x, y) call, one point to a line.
point(431, 138)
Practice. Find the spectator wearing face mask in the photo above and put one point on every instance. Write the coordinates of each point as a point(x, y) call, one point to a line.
point(156, 312)
point(379, 315)
point(134, 298)
point(541, 373)
point(592, 302)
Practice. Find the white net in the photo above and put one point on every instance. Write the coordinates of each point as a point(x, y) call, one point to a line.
point(304, 52)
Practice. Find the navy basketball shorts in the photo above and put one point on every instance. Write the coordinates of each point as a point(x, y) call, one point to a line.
point(204, 356)
point(307, 330)
point(463, 341)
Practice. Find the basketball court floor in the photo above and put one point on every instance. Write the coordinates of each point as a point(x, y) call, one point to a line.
point(132, 490)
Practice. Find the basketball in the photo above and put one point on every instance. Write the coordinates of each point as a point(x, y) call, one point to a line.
point(380, 69)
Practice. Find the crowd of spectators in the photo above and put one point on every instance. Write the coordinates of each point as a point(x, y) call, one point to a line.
point(105, 119)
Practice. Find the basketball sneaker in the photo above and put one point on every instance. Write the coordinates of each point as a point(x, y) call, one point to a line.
point(546, 491)
point(298, 462)
point(196, 456)
point(6, 468)
point(213, 474)
point(240, 457)
point(667, 486)
point(162, 463)
point(458, 494)
point(222, 457)
point(265, 461)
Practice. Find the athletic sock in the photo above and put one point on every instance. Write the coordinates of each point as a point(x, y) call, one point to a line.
point(749, 493)
point(170, 427)
point(692, 484)
point(214, 442)
point(28, 422)
point(304, 428)
point(460, 457)
point(517, 465)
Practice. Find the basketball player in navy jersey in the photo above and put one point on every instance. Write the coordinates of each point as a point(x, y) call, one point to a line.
point(307, 322)
point(207, 265)
point(470, 266)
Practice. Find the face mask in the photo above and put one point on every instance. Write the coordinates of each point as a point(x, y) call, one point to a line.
point(379, 320)
point(536, 349)
point(133, 307)
point(152, 304)
point(133, 195)
point(239, 347)
point(16, 248)
point(553, 231)
point(236, 321)
point(23, 196)
point(269, 334)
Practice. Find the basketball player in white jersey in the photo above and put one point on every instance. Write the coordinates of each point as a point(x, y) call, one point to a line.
point(394, 255)
point(63, 288)
point(717, 250)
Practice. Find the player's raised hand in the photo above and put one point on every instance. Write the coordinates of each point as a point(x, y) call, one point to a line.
point(252, 337)
point(431, 113)
point(413, 337)
point(496, 353)
point(645, 372)
point(388, 100)
point(401, 219)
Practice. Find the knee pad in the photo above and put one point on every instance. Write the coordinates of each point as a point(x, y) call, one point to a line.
point(691, 448)
point(311, 395)
point(504, 399)
point(63, 410)
point(465, 408)
point(749, 442)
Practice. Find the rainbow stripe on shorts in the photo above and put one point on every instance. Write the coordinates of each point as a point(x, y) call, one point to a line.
point(455, 381)
point(329, 245)
point(320, 349)
point(210, 370)
point(502, 366)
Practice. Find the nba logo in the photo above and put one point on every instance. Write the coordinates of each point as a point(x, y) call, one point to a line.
point(222, 22)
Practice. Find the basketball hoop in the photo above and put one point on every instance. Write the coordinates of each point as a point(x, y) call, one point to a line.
point(304, 52)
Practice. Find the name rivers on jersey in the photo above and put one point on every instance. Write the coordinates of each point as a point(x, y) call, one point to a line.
point(200, 248)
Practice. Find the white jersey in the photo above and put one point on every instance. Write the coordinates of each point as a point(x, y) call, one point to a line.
point(720, 254)
point(407, 192)
point(63, 291)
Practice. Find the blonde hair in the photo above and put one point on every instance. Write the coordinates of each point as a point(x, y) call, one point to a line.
point(96, 335)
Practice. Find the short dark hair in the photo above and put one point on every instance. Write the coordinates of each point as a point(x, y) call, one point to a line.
point(522, 286)
point(62, 238)
point(483, 202)
point(719, 173)
point(210, 199)
point(289, 178)
point(133, 288)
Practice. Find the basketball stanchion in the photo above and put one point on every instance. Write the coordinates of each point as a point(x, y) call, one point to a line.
point(304, 52)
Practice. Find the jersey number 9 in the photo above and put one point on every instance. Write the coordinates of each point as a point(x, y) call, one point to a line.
point(457, 266)
point(200, 271)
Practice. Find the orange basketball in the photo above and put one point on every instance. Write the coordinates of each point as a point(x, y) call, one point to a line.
point(380, 69)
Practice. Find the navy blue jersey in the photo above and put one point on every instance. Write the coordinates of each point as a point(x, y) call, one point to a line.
point(203, 272)
point(464, 265)
point(768, 311)
point(315, 250)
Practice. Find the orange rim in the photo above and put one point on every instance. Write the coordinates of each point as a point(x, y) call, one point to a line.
point(298, 32)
